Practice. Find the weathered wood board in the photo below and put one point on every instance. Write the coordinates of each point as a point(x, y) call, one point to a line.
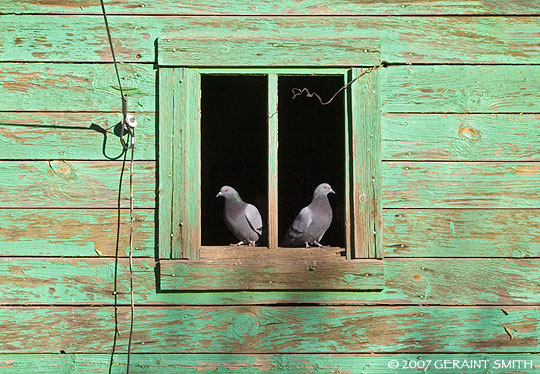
point(75, 184)
point(461, 137)
point(430, 89)
point(451, 40)
point(263, 329)
point(76, 87)
point(171, 363)
point(407, 281)
point(462, 233)
point(271, 273)
point(281, 7)
point(460, 185)
point(75, 232)
point(461, 89)
point(71, 136)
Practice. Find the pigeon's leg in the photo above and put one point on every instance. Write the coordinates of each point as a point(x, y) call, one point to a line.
point(318, 244)
point(238, 244)
point(307, 245)
point(252, 243)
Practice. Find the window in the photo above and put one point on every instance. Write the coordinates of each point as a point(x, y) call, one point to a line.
point(245, 112)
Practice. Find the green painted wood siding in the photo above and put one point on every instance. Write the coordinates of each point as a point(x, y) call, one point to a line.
point(460, 176)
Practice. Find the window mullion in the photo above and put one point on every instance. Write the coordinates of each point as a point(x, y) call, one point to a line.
point(272, 160)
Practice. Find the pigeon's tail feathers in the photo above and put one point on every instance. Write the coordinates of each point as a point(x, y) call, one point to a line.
point(297, 228)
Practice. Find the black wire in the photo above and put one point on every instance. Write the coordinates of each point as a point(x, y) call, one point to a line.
point(298, 91)
point(131, 133)
point(112, 48)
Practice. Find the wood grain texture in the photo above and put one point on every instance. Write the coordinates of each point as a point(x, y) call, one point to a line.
point(281, 7)
point(475, 40)
point(271, 273)
point(365, 144)
point(186, 168)
point(462, 233)
point(171, 363)
point(165, 158)
point(456, 137)
point(462, 185)
point(268, 52)
point(460, 89)
point(74, 232)
point(68, 136)
point(88, 184)
point(436, 281)
point(76, 87)
point(263, 329)
point(92, 87)
point(273, 144)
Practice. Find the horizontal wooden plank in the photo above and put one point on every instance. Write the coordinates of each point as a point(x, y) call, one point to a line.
point(463, 184)
point(434, 281)
point(263, 329)
point(90, 184)
point(271, 273)
point(456, 137)
point(268, 52)
point(75, 232)
point(269, 363)
point(92, 87)
point(88, 136)
point(460, 89)
point(280, 7)
point(76, 87)
point(231, 253)
point(462, 233)
point(473, 40)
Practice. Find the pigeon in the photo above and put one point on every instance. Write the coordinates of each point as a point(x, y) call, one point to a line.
point(242, 219)
point(312, 222)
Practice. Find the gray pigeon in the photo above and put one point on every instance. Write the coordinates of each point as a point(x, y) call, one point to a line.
point(312, 222)
point(242, 219)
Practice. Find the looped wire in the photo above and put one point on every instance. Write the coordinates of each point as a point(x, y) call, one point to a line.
point(299, 91)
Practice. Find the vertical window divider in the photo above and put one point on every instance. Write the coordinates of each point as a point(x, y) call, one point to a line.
point(272, 224)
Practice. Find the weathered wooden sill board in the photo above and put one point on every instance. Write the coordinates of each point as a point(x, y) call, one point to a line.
point(263, 269)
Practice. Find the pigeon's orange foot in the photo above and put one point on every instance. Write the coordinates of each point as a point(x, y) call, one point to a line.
point(318, 244)
point(307, 245)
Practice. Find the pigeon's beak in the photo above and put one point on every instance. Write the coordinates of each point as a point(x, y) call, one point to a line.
point(219, 194)
point(332, 191)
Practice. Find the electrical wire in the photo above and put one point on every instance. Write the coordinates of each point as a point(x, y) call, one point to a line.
point(131, 132)
point(300, 91)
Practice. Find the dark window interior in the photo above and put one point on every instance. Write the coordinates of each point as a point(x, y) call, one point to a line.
point(311, 150)
point(234, 142)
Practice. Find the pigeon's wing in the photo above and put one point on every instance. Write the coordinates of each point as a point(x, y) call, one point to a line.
point(254, 218)
point(299, 226)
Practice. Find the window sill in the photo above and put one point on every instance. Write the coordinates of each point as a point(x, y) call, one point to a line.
point(258, 268)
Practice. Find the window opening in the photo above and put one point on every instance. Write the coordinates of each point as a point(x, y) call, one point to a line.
point(311, 151)
point(234, 142)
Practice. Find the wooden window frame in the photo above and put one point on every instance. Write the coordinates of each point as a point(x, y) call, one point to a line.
point(185, 265)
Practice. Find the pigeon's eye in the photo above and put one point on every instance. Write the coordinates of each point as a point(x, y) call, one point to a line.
point(324, 187)
point(227, 190)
